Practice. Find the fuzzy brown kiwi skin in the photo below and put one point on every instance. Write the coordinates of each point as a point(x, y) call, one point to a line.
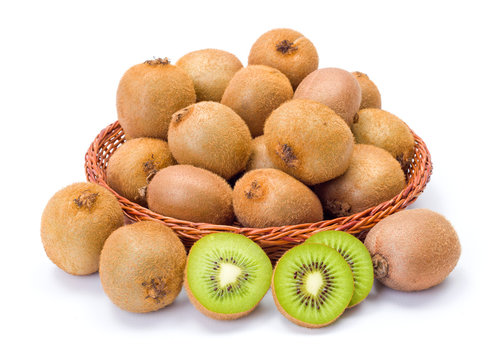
point(380, 128)
point(142, 266)
point(211, 136)
point(211, 70)
point(189, 193)
point(371, 97)
point(259, 158)
point(269, 197)
point(413, 250)
point(71, 235)
point(309, 141)
point(133, 164)
point(373, 177)
point(147, 96)
point(286, 50)
point(335, 88)
point(254, 92)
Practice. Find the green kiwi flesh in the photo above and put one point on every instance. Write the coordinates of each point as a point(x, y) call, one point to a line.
point(227, 275)
point(355, 254)
point(312, 285)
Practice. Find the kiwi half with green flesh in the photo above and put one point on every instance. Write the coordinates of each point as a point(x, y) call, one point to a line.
point(355, 254)
point(254, 92)
point(212, 136)
point(380, 128)
point(312, 285)
point(307, 140)
point(142, 266)
point(189, 193)
point(148, 95)
point(227, 275)
point(373, 177)
point(286, 50)
point(270, 197)
point(335, 88)
point(75, 224)
point(413, 250)
point(211, 70)
point(133, 165)
point(371, 97)
point(259, 158)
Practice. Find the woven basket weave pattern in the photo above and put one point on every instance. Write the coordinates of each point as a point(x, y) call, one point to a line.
point(274, 240)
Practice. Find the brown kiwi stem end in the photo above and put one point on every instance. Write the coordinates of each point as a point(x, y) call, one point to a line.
point(380, 266)
point(158, 61)
point(86, 199)
point(286, 47)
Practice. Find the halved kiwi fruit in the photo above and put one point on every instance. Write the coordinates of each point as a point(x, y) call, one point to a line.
point(312, 285)
point(227, 275)
point(355, 254)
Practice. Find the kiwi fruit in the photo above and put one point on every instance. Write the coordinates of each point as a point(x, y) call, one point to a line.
point(355, 254)
point(148, 95)
point(134, 163)
point(413, 250)
point(312, 285)
point(385, 130)
point(254, 92)
point(259, 158)
point(211, 136)
point(211, 70)
point(371, 97)
point(286, 50)
point(75, 224)
point(189, 193)
point(227, 275)
point(373, 177)
point(335, 88)
point(142, 266)
point(269, 197)
point(307, 140)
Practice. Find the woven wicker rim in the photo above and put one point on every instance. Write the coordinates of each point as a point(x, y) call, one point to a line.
point(274, 240)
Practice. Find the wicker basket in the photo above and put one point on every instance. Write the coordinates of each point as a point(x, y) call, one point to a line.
point(274, 240)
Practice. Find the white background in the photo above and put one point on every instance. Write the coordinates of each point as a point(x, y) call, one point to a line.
point(439, 67)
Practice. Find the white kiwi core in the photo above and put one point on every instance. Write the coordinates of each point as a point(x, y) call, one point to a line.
point(314, 282)
point(228, 274)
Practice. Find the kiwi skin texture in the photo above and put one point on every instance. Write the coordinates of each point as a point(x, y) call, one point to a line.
point(269, 197)
point(335, 88)
point(131, 167)
point(413, 250)
point(286, 50)
point(259, 158)
point(142, 266)
point(193, 194)
point(309, 141)
point(211, 70)
point(75, 224)
point(371, 97)
point(211, 136)
point(254, 92)
point(380, 128)
point(373, 177)
point(148, 95)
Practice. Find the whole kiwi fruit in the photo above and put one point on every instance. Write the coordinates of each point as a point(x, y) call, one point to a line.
point(142, 266)
point(189, 193)
point(211, 136)
point(75, 224)
point(269, 197)
point(148, 95)
point(335, 88)
point(385, 130)
point(211, 70)
point(307, 140)
point(134, 163)
point(371, 97)
point(254, 92)
point(373, 177)
point(259, 158)
point(413, 250)
point(286, 50)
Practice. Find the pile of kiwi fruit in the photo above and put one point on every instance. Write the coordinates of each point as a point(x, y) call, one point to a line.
point(278, 142)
